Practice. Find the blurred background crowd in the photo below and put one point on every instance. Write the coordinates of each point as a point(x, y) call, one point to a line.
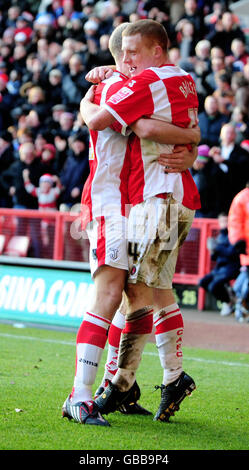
point(48, 46)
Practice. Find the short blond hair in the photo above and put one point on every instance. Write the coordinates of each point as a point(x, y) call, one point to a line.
point(150, 30)
point(115, 41)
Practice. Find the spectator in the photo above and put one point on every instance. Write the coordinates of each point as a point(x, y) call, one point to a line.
point(217, 65)
point(240, 122)
point(47, 195)
point(232, 166)
point(19, 58)
point(12, 181)
point(101, 56)
point(211, 122)
point(75, 170)
point(23, 25)
point(13, 13)
point(48, 159)
point(224, 93)
point(240, 56)
point(8, 36)
point(204, 176)
point(226, 29)
point(41, 139)
point(34, 72)
point(246, 72)
point(54, 122)
point(61, 144)
point(14, 83)
point(226, 269)
point(54, 50)
point(186, 39)
point(238, 232)
point(54, 89)
point(193, 15)
point(66, 124)
point(6, 102)
point(6, 159)
point(74, 84)
point(202, 56)
point(242, 96)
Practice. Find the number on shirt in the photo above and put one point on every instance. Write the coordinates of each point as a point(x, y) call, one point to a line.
point(193, 116)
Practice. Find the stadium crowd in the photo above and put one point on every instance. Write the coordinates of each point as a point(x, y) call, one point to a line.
point(46, 49)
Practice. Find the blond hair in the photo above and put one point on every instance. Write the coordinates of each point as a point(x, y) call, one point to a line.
point(151, 31)
point(115, 41)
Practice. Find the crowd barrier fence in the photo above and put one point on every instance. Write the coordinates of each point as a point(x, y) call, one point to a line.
point(58, 236)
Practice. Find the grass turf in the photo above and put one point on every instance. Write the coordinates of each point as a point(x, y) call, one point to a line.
point(37, 371)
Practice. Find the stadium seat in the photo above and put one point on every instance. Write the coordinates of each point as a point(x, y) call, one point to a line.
point(18, 245)
point(2, 243)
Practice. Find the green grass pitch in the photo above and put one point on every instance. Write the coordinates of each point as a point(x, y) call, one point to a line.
point(37, 371)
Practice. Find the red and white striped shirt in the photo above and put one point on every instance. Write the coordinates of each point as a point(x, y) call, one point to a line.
point(105, 191)
point(166, 93)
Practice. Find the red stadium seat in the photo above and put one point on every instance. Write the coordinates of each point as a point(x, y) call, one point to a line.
point(2, 243)
point(18, 245)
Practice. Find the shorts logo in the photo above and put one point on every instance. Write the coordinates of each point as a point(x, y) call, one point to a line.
point(94, 253)
point(133, 270)
point(114, 253)
point(121, 95)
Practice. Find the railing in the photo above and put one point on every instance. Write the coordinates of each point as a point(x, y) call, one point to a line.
point(68, 242)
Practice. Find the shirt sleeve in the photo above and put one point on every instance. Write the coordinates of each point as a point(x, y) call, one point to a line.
point(132, 101)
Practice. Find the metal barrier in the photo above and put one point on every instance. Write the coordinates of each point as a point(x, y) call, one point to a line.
point(58, 236)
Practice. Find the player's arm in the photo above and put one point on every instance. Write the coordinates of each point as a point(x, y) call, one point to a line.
point(165, 133)
point(95, 117)
point(181, 159)
point(98, 74)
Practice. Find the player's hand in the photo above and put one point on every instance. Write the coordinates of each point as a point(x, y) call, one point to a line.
point(180, 160)
point(89, 96)
point(98, 74)
point(197, 132)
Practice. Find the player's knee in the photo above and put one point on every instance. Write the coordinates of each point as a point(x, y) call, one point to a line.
point(138, 295)
point(109, 297)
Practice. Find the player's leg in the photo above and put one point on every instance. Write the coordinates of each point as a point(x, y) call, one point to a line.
point(169, 328)
point(114, 334)
point(138, 328)
point(93, 332)
point(92, 335)
point(138, 325)
point(156, 266)
point(108, 263)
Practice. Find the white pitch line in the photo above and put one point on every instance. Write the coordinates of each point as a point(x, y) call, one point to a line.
point(147, 353)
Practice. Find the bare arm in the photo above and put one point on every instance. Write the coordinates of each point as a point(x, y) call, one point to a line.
point(165, 133)
point(100, 73)
point(98, 118)
point(180, 160)
point(95, 117)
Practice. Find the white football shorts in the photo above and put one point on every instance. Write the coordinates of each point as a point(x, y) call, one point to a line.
point(157, 228)
point(108, 242)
